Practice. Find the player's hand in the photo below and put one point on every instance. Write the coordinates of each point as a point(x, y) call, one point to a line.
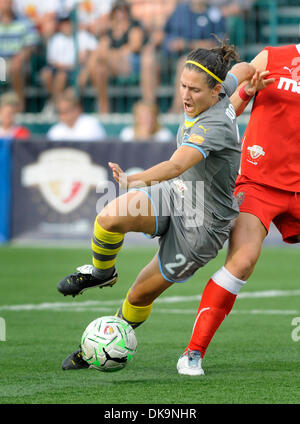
point(258, 82)
point(119, 175)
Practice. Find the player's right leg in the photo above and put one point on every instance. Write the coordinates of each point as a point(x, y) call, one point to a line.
point(222, 289)
point(138, 303)
point(132, 211)
point(245, 245)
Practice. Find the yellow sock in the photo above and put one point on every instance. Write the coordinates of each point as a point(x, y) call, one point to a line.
point(105, 246)
point(134, 315)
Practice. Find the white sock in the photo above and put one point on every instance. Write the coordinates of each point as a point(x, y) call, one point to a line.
point(228, 281)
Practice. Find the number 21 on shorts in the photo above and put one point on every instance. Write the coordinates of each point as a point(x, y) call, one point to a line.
point(173, 267)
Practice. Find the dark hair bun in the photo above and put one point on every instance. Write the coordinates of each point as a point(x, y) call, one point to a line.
point(217, 60)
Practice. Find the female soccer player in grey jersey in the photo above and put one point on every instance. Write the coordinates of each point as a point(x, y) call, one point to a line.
point(187, 201)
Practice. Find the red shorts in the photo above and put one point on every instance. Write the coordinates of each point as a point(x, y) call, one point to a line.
point(271, 204)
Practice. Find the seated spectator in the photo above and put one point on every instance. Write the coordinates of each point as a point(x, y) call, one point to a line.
point(92, 15)
point(235, 12)
point(41, 13)
point(192, 25)
point(231, 8)
point(73, 124)
point(87, 43)
point(146, 125)
point(118, 53)
point(18, 38)
point(153, 14)
point(9, 103)
point(62, 61)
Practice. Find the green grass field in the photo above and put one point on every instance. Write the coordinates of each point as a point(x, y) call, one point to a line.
point(252, 359)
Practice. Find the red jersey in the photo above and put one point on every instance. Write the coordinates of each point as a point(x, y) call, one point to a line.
point(271, 143)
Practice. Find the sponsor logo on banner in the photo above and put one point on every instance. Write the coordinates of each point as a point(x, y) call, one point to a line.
point(254, 153)
point(64, 177)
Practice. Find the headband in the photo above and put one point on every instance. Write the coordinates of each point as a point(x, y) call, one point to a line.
point(205, 69)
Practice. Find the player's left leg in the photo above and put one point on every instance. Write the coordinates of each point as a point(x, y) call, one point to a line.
point(132, 211)
point(135, 309)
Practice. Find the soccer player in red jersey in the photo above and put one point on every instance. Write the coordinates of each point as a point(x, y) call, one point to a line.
point(267, 187)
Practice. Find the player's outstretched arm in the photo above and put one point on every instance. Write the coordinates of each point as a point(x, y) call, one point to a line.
point(243, 71)
point(182, 159)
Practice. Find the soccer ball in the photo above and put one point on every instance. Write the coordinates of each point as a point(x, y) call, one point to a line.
point(108, 344)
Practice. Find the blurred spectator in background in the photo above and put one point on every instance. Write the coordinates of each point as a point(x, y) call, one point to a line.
point(62, 59)
point(41, 12)
point(192, 25)
point(92, 15)
point(9, 104)
point(73, 123)
point(153, 14)
point(87, 43)
point(18, 38)
point(231, 8)
point(118, 53)
point(235, 13)
point(146, 125)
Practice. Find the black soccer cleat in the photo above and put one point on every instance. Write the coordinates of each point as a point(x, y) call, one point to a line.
point(74, 361)
point(77, 283)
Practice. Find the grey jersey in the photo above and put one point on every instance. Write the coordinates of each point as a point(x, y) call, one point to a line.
point(193, 212)
point(215, 134)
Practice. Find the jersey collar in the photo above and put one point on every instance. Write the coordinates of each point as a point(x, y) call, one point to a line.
point(189, 122)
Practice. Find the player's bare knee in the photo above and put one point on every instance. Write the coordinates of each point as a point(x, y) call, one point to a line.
point(134, 298)
point(138, 299)
point(109, 222)
point(241, 266)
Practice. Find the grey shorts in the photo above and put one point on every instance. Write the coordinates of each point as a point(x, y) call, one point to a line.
point(183, 248)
